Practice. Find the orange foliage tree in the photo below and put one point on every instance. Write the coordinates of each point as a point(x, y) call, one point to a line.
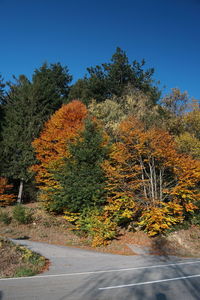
point(5, 197)
point(149, 180)
point(51, 146)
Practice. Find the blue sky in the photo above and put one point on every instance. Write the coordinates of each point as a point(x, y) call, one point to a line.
point(84, 33)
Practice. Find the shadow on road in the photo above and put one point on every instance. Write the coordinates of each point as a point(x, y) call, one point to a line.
point(185, 289)
point(160, 296)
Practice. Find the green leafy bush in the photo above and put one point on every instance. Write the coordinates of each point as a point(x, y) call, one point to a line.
point(22, 214)
point(195, 219)
point(93, 223)
point(24, 271)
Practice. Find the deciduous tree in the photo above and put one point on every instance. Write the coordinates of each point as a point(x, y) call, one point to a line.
point(6, 198)
point(133, 102)
point(51, 146)
point(146, 174)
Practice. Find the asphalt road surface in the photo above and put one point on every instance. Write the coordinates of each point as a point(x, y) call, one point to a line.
point(88, 275)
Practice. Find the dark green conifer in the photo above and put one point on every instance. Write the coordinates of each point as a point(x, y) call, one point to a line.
point(82, 178)
point(29, 104)
point(111, 79)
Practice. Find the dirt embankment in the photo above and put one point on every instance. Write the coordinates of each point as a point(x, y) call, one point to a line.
point(55, 230)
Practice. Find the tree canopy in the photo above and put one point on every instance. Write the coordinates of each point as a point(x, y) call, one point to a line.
point(51, 86)
point(110, 79)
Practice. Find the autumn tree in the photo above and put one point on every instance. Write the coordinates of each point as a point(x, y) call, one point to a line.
point(148, 177)
point(51, 146)
point(174, 105)
point(6, 197)
point(176, 102)
point(181, 118)
point(189, 136)
point(133, 102)
point(189, 144)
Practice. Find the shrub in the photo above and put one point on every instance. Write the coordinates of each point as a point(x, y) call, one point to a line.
point(24, 271)
point(159, 219)
point(195, 219)
point(22, 214)
point(5, 218)
point(94, 223)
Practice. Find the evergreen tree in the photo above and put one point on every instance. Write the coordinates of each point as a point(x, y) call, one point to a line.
point(51, 86)
point(29, 105)
point(22, 124)
point(2, 102)
point(81, 90)
point(2, 86)
point(111, 79)
point(82, 178)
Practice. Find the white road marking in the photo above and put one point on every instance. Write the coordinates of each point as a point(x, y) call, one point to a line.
point(103, 271)
point(148, 282)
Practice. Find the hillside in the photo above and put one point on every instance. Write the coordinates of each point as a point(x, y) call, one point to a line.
point(55, 230)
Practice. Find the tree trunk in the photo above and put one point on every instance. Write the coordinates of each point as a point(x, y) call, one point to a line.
point(19, 198)
point(154, 179)
point(151, 181)
point(161, 186)
point(143, 178)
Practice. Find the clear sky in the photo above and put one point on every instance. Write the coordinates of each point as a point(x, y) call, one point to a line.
point(84, 33)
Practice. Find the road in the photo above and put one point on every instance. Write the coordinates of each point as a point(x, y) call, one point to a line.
point(76, 274)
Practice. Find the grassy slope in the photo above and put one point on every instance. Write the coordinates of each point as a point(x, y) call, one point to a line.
point(18, 261)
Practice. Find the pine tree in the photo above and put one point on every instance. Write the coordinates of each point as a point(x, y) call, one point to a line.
point(51, 86)
point(82, 178)
point(29, 104)
point(21, 125)
point(111, 79)
point(2, 102)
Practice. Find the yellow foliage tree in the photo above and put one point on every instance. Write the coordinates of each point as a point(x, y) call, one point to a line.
point(112, 111)
point(149, 179)
point(189, 139)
